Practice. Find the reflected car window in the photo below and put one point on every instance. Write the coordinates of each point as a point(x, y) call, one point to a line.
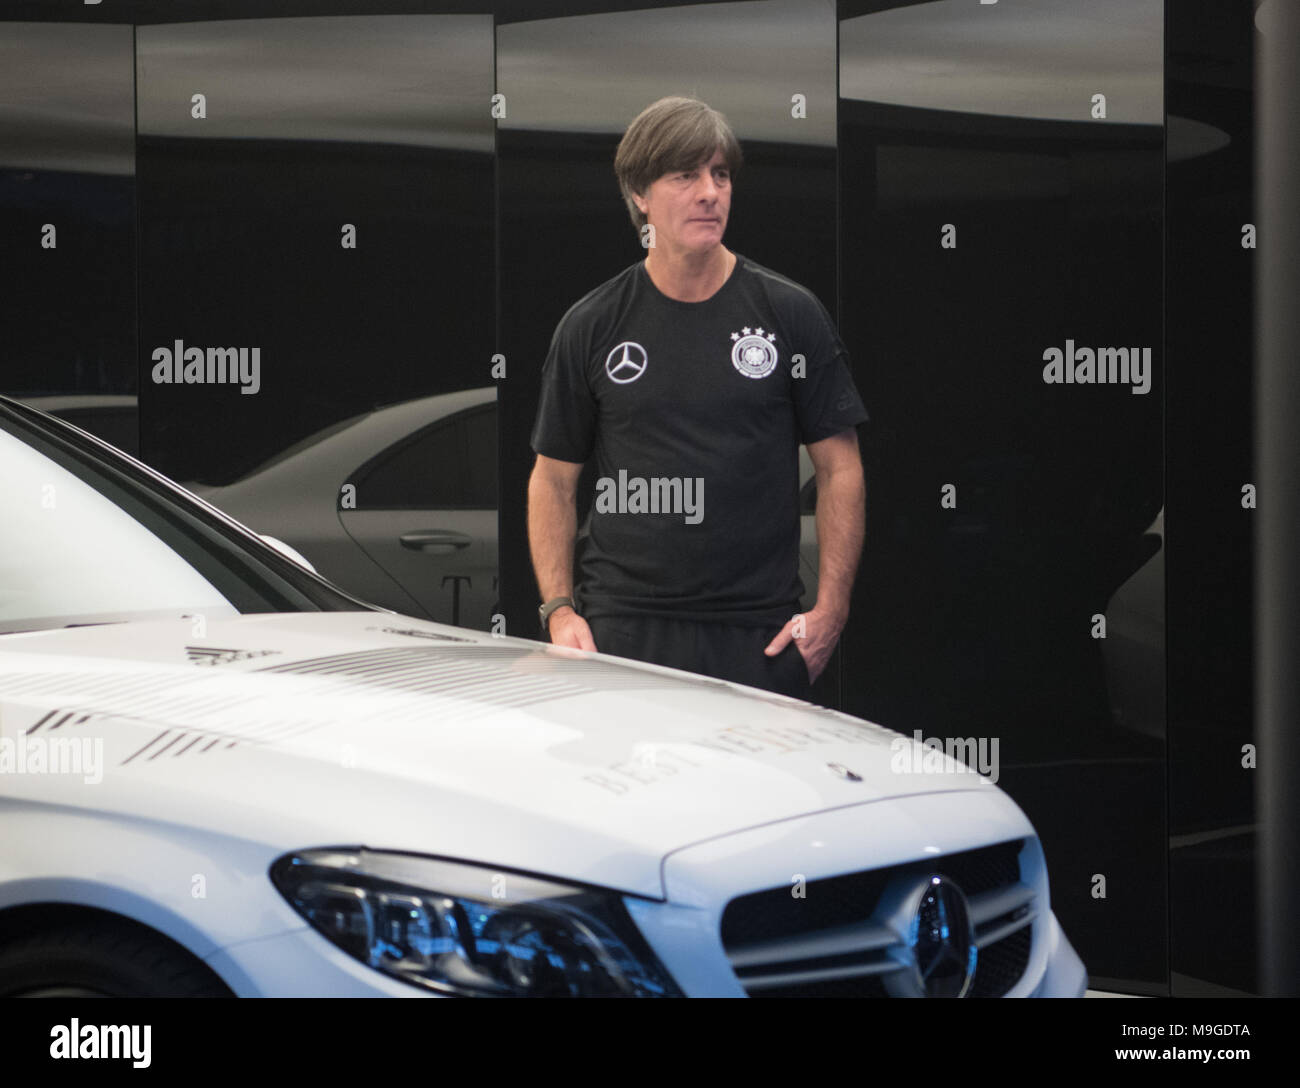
point(313, 439)
point(451, 465)
point(481, 459)
point(426, 472)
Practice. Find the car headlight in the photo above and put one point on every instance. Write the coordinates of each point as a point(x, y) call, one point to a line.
point(469, 930)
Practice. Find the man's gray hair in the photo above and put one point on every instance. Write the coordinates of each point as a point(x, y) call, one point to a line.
point(675, 133)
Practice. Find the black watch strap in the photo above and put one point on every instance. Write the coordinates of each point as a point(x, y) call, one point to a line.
point(544, 612)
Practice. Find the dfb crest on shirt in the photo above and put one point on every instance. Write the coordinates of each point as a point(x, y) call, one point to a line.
point(753, 352)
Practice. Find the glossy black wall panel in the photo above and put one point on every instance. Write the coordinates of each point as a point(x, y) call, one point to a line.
point(973, 621)
point(381, 123)
point(67, 187)
point(987, 218)
point(317, 199)
point(572, 85)
point(1211, 299)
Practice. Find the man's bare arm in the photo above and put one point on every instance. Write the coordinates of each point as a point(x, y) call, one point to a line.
point(552, 533)
point(841, 508)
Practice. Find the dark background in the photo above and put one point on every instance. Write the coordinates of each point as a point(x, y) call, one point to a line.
point(967, 622)
point(1209, 280)
point(977, 621)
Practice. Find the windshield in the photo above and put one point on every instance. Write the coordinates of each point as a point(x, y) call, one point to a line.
point(86, 536)
point(67, 553)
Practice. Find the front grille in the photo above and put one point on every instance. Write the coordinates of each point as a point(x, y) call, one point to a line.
point(867, 986)
point(770, 915)
point(1001, 964)
point(833, 942)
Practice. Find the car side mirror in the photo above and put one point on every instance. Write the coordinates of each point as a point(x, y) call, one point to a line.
point(290, 553)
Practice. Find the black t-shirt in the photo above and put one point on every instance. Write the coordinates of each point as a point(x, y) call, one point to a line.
point(694, 412)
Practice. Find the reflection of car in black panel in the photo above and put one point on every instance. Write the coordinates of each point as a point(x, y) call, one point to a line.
point(398, 504)
point(1134, 647)
point(1106, 555)
point(114, 417)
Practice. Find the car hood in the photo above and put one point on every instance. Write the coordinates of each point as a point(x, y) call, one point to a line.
point(314, 729)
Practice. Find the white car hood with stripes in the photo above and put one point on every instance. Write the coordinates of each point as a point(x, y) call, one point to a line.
point(316, 729)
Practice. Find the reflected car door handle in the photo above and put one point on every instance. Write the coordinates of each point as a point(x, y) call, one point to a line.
point(426, 540)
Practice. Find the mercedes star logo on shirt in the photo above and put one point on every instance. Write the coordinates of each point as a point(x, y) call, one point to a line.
point(626, 362)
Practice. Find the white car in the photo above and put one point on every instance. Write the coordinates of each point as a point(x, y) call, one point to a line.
point(219, 774)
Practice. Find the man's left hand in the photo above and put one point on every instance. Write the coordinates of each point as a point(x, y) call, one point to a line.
point(814, 634)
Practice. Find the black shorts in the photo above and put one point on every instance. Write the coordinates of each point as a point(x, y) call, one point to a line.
point(726, 651)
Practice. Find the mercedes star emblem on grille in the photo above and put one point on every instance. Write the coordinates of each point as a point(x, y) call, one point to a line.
point(941, 940)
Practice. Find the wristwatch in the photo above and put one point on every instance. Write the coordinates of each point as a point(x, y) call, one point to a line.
point(544, 612)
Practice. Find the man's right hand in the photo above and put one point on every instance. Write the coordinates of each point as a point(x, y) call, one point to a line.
point(567, 628)
point(552, 529)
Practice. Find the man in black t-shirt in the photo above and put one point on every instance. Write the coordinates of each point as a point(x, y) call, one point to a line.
point(692, 378)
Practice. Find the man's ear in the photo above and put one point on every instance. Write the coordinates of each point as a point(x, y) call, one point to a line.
point(640, 202)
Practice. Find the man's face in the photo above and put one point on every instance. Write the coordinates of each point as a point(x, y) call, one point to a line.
point(688, 209)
